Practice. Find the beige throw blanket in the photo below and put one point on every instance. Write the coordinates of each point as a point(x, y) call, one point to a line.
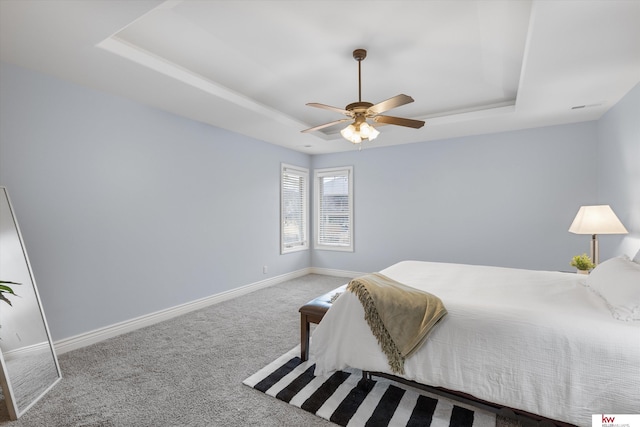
point(400, 317)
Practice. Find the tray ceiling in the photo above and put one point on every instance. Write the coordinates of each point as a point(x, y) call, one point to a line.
point(251, 66)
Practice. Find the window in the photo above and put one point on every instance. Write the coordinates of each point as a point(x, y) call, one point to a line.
point(334, 209)
point(294, 211)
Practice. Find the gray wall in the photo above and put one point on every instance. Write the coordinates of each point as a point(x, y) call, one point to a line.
point(502, 199)
point(126, 210)
point(619, 171)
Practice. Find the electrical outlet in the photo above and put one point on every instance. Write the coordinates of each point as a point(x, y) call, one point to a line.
point(264, 269)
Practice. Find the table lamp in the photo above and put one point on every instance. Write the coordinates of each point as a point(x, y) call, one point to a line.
point(596, 220)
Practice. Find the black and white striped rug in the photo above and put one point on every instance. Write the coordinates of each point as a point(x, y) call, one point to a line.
point(345, 399)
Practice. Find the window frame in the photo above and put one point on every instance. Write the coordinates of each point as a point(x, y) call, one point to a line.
point(317, 175)
point(303, 243)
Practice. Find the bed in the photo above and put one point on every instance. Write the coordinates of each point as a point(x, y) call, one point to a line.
point(560, 345)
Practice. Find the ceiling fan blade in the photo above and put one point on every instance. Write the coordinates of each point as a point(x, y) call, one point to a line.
point(326, 125)
point(329, 107)
point(390, 103)
point(410, 123)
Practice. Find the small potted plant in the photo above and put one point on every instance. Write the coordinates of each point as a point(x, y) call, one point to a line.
point(6, 289)
point(583, 263)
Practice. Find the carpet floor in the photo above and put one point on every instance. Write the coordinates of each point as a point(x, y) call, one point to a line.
point(187, 371)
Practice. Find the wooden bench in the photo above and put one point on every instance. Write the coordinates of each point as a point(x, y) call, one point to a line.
point(313, 312)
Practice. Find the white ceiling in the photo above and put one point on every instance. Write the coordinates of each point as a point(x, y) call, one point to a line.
point(251, 66)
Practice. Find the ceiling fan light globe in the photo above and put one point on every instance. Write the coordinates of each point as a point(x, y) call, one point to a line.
point(365, 130)
point(351, 134)
point(355, 138)
point(373, 134)
point(348, 132)
point(368, 132)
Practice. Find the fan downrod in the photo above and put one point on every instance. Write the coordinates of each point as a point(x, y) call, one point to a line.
point(359, 55)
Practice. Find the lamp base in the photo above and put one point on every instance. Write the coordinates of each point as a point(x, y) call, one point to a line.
point(595, 255)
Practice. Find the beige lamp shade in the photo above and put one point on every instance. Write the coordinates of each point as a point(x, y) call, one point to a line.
point(597, 220)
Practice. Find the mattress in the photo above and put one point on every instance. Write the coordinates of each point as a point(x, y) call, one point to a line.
point(539, 341)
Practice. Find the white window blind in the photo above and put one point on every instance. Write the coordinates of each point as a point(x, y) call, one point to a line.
point(334, 209)
point(294, 211)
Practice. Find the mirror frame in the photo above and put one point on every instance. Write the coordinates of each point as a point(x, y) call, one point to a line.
point(5, 380)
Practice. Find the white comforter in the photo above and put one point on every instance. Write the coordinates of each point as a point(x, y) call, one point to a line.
point(538, 341)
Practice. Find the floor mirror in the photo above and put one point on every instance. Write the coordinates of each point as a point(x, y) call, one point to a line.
point(29, 364)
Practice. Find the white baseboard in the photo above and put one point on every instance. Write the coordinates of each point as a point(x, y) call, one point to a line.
point(336, 273)
point(78, 341)
point(25, 351)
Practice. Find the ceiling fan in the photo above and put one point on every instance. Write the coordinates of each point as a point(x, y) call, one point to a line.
point(360, 111)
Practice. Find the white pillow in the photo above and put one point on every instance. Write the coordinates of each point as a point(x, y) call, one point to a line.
point(636, 258)
point(617, 280)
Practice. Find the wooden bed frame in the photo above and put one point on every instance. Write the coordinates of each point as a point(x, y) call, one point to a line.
point(525, 418)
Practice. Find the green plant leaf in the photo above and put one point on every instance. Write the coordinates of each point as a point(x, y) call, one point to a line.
point(582, 262)
point(4, 288)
